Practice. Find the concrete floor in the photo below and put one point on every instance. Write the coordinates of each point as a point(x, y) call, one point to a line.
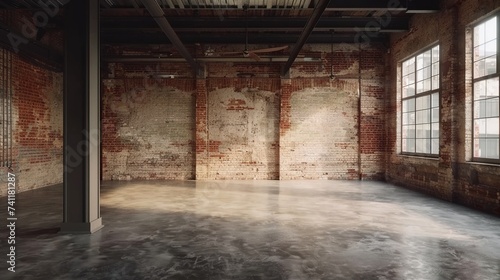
point(257, 230)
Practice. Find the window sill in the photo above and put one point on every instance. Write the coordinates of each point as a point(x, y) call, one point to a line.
point(433, 158)
point(478, 163)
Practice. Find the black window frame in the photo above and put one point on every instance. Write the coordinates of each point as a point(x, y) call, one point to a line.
point(484, 78)
point(431, 106)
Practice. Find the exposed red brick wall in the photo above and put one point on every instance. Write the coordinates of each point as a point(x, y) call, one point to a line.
point(38, 125)
point(334, 129)
point(148, 128)
point(202, 142)
point(319, 139)
point(21, 21)
point(243, 120)
point(452, 176)
point(373, 97)
point(251, 124)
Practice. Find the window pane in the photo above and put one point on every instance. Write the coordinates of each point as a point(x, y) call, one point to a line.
point(409, 145)
point(493, 149)
point(477, 151)
point(490, 48)
point(423, 102)
point(424, 73)
point(480, 128)
point(479, 90)
point(486, 108)
point(479, 34)
point(409, 118)
point(435, 115)
point(420, 87)
point(435, 130)
point(490, 65)
point(408, 105)
point(488, 148)
point(492, 87)
point(423, 116)
point(486, 50)
point(435, 54)
point(409, 80)
point(479, 53)
point(420, 61)
point(435, 146)
point(435, 69)
point(479, 69)
point(435, 82)
point(491, 107)
point(423, 131)
point(408, 91)
point(423, 146)
point(424, 59)
point(435, 100)
point(408, 131)
point(477, 109)
point(408, 66)
point(491, 29)
point(420, 75)
point(483, 148)
point(427, 85)
point(492, 127)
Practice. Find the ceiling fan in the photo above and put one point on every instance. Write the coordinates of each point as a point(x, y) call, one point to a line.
point(252, 53)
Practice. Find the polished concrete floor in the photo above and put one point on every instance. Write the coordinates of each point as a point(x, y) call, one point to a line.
point(256, 230)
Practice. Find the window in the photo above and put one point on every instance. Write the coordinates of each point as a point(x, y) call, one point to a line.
point(486, 125)
point(420, 103)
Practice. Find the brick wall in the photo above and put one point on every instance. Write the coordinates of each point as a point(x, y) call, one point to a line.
point(334, 129)
point(148, 127)
point(256, 126)
point(452, 176)
point(23, 23)
point(243, 120)
point(37, 125)
point(321, 136)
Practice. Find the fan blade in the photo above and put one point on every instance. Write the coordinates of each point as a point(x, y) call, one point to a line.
point(254, 56)
point(270, 49)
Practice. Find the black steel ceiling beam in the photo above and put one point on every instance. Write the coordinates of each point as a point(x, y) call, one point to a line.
point(367, 5)
point(157, 13)
point(422, 6)
point(408, 6)
point(280, 38)
point(210, 24)
point(311, 23)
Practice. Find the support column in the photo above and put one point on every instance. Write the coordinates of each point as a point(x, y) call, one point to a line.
point(201, 129)
point(81, 118)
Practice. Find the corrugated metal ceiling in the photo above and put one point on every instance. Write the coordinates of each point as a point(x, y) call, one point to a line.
point(215, 4)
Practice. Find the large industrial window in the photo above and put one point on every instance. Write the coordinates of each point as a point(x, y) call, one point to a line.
point(420, 103)
point(486, 126)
